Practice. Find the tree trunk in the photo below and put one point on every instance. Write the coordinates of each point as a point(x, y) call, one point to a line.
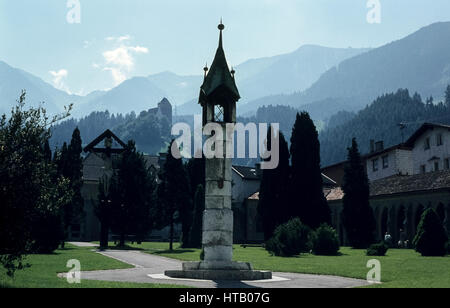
point(122, 240)
point(171, 233)
point(104, 235)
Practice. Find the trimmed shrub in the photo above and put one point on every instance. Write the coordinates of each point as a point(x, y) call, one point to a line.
point(379, 249)
point(431, 237)
point(325, 241)
point(290, 239)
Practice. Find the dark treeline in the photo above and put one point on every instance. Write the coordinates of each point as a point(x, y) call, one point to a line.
point(380, 122)
point(150, 133)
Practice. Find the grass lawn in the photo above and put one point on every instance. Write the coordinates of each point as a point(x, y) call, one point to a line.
point(399, 268)
point(44, 269)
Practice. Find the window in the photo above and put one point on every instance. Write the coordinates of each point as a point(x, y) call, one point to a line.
point(439, 140)
point(423, 169)
point(219, 113)
point(427, 144)
point(385, 162)
point(436, 166)
point(375, 165)
point(447, 164)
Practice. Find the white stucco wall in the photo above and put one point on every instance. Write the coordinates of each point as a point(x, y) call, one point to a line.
point(422, 156)
point(404, 162)
point(399, 162)
point(382, 172)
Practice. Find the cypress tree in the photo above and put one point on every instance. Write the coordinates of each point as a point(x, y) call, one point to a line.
point(431, 237)
point(131, 192)
point(174, 203)
point(195, 234)
point(273, 203)
point(358, 218)
point(75, 175)
point(306, 196)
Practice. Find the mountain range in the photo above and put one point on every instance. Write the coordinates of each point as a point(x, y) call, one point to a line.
point(419, 62)
point(317, 79)
point(256, 78)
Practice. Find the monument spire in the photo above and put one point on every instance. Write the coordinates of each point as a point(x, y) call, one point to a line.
point(218, 97)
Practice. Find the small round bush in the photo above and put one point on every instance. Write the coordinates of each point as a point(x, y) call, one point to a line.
point(325, 241)
point(379, 249)
point(431, 237)
point(289, 239)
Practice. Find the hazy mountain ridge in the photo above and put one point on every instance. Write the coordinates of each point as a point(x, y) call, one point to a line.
point(419, 62)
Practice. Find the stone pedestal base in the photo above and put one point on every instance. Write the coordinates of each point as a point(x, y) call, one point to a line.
point(219, 271)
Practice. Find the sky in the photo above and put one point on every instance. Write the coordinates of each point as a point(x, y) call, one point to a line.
point(84, 45)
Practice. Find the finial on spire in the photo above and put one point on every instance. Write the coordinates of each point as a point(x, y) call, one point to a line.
point(221, 25)
point(205, 69)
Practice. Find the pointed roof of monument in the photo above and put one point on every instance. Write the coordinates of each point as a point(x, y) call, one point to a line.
point(219, 74)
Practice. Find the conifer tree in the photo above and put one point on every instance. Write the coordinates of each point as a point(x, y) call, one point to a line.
point(131, 193)
point(358, 218)
point(195, 234)
point(431, 237)
point(174, 202)
point(306, 196)
point(273, 206)
point(75, 175)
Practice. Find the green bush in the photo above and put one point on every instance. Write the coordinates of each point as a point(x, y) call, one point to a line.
point(431, 237)
point(379, 249)
point(325, 241)
point(289, 239)
point(46, 233)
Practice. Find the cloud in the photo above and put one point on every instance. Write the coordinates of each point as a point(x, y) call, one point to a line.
point(118, 39)
point(121, 60)
point(58, 79)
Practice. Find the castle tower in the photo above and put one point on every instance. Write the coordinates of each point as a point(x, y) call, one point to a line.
point(218, 97)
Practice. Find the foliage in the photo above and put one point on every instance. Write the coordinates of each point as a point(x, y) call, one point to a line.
point(69, 165)
point(379, 121)
point(358, 218)
point(195, 234)
point(131, 192)
point(289, 239)
point(325, 241)
point(148, 131)
point(378, 250)
point(431, 237)
point(273, 206)
point(174, 203)
point(306, 197)
point(28, 188)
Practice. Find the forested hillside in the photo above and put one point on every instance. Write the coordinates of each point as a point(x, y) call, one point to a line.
point(380, 121)
point(149, 132)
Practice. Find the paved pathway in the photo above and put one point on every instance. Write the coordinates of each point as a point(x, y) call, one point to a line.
point(150, 268)
point(83, 244)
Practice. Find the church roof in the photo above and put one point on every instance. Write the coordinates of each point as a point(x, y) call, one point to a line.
point(402, 184)
point(219, 74)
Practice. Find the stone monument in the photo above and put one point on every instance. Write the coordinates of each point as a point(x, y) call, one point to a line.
point(218, 97)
